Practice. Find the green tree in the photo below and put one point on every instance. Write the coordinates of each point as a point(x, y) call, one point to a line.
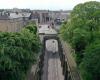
point(82, 31)
point(90, 66)
point(18, 51)
point(83, 26)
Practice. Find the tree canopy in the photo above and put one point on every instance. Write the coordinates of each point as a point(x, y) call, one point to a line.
point(18, 51)
point(81, 30)
point(90, 66)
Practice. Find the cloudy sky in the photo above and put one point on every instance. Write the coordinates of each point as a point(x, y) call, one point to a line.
point(42, 4)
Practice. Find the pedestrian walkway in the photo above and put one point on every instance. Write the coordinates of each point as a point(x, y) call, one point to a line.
point(72, 66)
point(54, 67)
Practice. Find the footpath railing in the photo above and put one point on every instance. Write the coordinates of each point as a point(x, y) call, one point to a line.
point(40, 64)
point(73, 73)
point(63, 61)
point(38, 72)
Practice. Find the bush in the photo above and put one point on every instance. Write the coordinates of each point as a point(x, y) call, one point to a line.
point(32, 27)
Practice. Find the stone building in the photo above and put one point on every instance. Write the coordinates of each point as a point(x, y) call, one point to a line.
point(46, 16)
point(13, 22)
point(41, 15)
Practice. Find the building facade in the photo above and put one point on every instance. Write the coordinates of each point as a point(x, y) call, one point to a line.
point(13, 22)
point(46, 16)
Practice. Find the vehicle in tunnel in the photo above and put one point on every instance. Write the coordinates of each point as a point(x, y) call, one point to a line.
point(52, 46)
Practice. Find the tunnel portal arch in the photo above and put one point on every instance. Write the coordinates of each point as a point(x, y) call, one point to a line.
point(49, 38)
point(51, 45)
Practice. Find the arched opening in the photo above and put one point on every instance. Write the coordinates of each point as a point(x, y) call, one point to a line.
point(51, 45)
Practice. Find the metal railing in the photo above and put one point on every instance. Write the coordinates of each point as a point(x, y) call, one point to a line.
point(73, 73)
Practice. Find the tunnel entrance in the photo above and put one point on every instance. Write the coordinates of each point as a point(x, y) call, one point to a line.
point(51, 45)
point(50, 39)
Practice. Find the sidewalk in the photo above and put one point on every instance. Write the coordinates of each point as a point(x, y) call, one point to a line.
point(72, 66)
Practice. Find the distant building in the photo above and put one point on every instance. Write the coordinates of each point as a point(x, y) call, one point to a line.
point(13, 22)
point(41, 15)
point(45, 16)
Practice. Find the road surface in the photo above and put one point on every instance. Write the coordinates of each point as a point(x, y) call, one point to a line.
point(52, 69)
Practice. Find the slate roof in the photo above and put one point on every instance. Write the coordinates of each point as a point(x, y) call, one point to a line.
point(4, 17)
point(19, 15)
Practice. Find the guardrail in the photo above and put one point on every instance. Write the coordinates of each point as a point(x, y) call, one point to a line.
point(39, 71)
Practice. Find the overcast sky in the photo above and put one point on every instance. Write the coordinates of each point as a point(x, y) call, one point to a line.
point(42, 4)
